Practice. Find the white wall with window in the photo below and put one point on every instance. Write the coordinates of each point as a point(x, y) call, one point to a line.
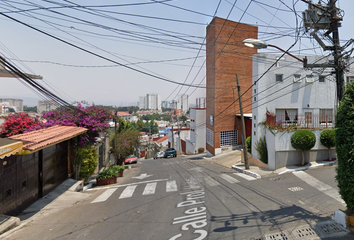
point(289, 90)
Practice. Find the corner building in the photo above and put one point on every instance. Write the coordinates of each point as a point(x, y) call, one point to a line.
point(226, 57)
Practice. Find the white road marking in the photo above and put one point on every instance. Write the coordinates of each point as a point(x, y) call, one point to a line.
point(210, 181)
point(245, 176)
point(229, 178)
point(128, 192)
point(193, 182)
point(125, 185)
point(150, 188)
point(104, 196)
point(171, 186)
point(295, 189)
point(313, 182)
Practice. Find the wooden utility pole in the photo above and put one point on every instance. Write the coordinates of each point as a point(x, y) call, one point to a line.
point(247, 166)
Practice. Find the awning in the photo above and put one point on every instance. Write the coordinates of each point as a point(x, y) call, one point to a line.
point(9, 147)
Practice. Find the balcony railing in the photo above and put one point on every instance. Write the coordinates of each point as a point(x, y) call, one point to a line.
point(311, 121)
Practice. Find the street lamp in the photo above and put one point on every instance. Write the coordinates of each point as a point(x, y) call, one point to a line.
point(258, 44)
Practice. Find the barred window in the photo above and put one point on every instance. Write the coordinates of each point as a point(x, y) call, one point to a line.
point(210, 137)
point(228, 138)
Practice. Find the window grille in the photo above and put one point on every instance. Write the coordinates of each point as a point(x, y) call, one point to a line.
point(228, 138)
point(210, 137)
point(279, 77)
point(297, 78)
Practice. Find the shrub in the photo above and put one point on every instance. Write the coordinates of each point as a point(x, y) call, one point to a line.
point(344, 133)
point(118, 168)
point(107, 173)
point(261, 148)
point(327, 139)
point(87, 158)
point(249, 144)
point(200, 149)
point(303, 140)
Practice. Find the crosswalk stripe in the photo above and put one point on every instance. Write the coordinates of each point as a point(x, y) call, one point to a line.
point(229, 178)
point(313, 182)
point(210, 181)
point(104, 196)
point(150, 188)
point(128, 192)
point(245, 176)
point(171, 186)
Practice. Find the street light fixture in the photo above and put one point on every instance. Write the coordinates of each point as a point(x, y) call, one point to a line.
point(258, 44)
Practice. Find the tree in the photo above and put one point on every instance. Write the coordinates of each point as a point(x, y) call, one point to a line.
point(29, 109)
point(327, 139)
point(303, 140)
point(344, 133)
point(183, 118)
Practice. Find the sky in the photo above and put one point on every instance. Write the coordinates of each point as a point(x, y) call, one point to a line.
point(111, 52)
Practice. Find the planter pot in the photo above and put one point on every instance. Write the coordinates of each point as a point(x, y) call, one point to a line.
point(120, 174)
point(106, 181)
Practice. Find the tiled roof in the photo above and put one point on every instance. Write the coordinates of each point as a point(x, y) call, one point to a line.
point(48, 136)
point(121, 114)
point(162, 139)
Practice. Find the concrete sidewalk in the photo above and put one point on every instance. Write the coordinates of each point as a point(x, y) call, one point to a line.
point(232, 160)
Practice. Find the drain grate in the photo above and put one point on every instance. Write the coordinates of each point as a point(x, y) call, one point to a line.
point(295, 189)
point(276, 179)
point(329, 228)
point(277, 236)
point(304, 232)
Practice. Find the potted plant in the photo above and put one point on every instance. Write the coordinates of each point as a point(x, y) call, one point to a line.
point(327, 139)
point(303, 140)
point(107, 176)
point(200, 150)
point(120, 169)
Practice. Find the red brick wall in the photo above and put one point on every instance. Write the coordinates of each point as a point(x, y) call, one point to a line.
point(225, 57)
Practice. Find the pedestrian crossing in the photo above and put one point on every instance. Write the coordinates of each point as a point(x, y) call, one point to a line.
point(149, 188)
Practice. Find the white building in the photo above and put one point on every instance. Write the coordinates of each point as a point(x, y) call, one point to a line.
point(197, 138)
point(142, 102)
point(15, 103)
point(153, 101)
point(295, 96)
point(182, 102)
point(200, 102)
point(46, 106)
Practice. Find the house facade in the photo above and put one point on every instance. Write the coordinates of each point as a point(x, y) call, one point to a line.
point(197, 136)
point(287, 95)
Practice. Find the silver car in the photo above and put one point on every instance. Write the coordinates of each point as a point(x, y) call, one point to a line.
point(159, 155)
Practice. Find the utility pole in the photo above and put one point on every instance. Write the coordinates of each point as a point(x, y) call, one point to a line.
point(247, 166)
point(115, 137)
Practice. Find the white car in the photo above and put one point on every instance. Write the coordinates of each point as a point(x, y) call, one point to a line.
point(159, 155)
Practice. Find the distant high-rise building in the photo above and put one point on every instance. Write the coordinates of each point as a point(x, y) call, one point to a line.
point(182, 102)
point(142, 102)
point(165, 104)
point(200, 102)
point(15, 103)
point(46, 106)
point(153, 101)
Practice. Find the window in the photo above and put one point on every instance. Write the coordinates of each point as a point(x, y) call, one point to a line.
point(297, 78)
point(350, 79)
point(278, 77)
point(321, 78)
point(309, 78)
point(228, 138)
point(254, 98)
point(210, 137)
point(278, 59)
point(255, 91)
point(326, 116)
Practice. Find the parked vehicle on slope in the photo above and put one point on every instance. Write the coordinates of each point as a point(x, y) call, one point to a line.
point(170, 152)
point(159, 155)
point(131, 159)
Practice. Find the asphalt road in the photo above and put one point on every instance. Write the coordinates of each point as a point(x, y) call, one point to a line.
point(178, 198)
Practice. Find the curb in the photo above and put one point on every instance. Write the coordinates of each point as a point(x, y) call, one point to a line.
point(8, 222)
point(309, 167)
point(217, 163)
point(241, 170)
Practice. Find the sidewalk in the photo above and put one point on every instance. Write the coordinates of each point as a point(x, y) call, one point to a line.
point(232, 160)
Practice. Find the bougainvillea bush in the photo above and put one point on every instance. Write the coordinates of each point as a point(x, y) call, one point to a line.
point(18, 123)
point(93, 118)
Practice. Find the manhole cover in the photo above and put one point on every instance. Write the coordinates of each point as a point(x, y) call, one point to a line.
point(276, 179)
point(277, 236)
point(329, 228)
point(295, 189)
point(304, 232)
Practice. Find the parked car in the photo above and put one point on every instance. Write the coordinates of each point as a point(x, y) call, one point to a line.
point(170, 152)
point(159, 155)
point(131, 159)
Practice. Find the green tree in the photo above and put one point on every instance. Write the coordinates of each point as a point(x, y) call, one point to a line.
point(127, 140)
point(249, 144)
point(303, 140)
point(183, 118)
point(344, 139)
point(29, 109)
point(327, 139)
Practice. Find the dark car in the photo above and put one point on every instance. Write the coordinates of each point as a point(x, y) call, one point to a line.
point(170, 152)
point(130, 159)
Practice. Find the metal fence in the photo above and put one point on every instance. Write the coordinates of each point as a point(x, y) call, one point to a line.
point(307, 120)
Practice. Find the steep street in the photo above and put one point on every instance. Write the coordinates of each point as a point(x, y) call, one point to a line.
point(181, 198)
